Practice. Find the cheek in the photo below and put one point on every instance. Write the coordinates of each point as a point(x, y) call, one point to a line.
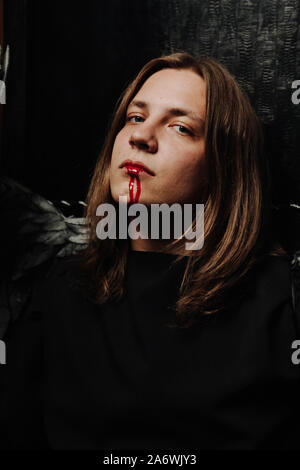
point(187, 175)
point(118, 145)
point(186, 168)
point(196, 165)
point(115, 150)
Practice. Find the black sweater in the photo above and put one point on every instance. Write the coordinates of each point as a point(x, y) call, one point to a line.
point(81, 376)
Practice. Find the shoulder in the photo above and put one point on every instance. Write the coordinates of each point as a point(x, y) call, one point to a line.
point(268, 299)
point(272, 273)
point(29, 297)
point(57, 285)
point(59, 275)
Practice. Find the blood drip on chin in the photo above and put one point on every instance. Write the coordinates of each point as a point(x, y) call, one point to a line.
point(134, 188)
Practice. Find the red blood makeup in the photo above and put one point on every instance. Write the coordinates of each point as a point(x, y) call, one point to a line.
point(134, 188)
point(134, 182)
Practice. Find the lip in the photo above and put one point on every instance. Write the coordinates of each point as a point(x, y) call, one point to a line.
point(138, 165)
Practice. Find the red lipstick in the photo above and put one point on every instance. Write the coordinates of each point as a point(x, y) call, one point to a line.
point(135, 167)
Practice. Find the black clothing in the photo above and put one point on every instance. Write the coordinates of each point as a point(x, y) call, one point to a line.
point(81, 376)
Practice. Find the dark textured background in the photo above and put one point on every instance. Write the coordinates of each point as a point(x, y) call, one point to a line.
point(70, 60)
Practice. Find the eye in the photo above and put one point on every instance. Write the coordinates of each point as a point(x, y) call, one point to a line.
point(183, 130)
point(132, 118)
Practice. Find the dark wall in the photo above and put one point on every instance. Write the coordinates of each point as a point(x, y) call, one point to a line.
point(259, 42)
point(69, 63)
point(70, 60)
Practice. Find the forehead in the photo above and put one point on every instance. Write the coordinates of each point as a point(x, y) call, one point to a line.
point(175, 88)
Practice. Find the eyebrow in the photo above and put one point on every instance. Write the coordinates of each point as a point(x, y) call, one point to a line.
point(171, 111)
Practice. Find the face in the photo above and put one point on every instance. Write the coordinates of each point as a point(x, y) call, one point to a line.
point(159, 154)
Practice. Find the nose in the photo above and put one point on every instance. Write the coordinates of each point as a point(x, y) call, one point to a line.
point(143, 138)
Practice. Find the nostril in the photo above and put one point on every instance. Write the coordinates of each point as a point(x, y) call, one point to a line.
point(142, 143)
point(139, 144)
point(144, 146)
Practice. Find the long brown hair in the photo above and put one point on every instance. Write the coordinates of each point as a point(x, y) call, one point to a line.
point(236, 204)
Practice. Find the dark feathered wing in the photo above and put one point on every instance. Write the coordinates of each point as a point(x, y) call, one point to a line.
point(34, 232)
